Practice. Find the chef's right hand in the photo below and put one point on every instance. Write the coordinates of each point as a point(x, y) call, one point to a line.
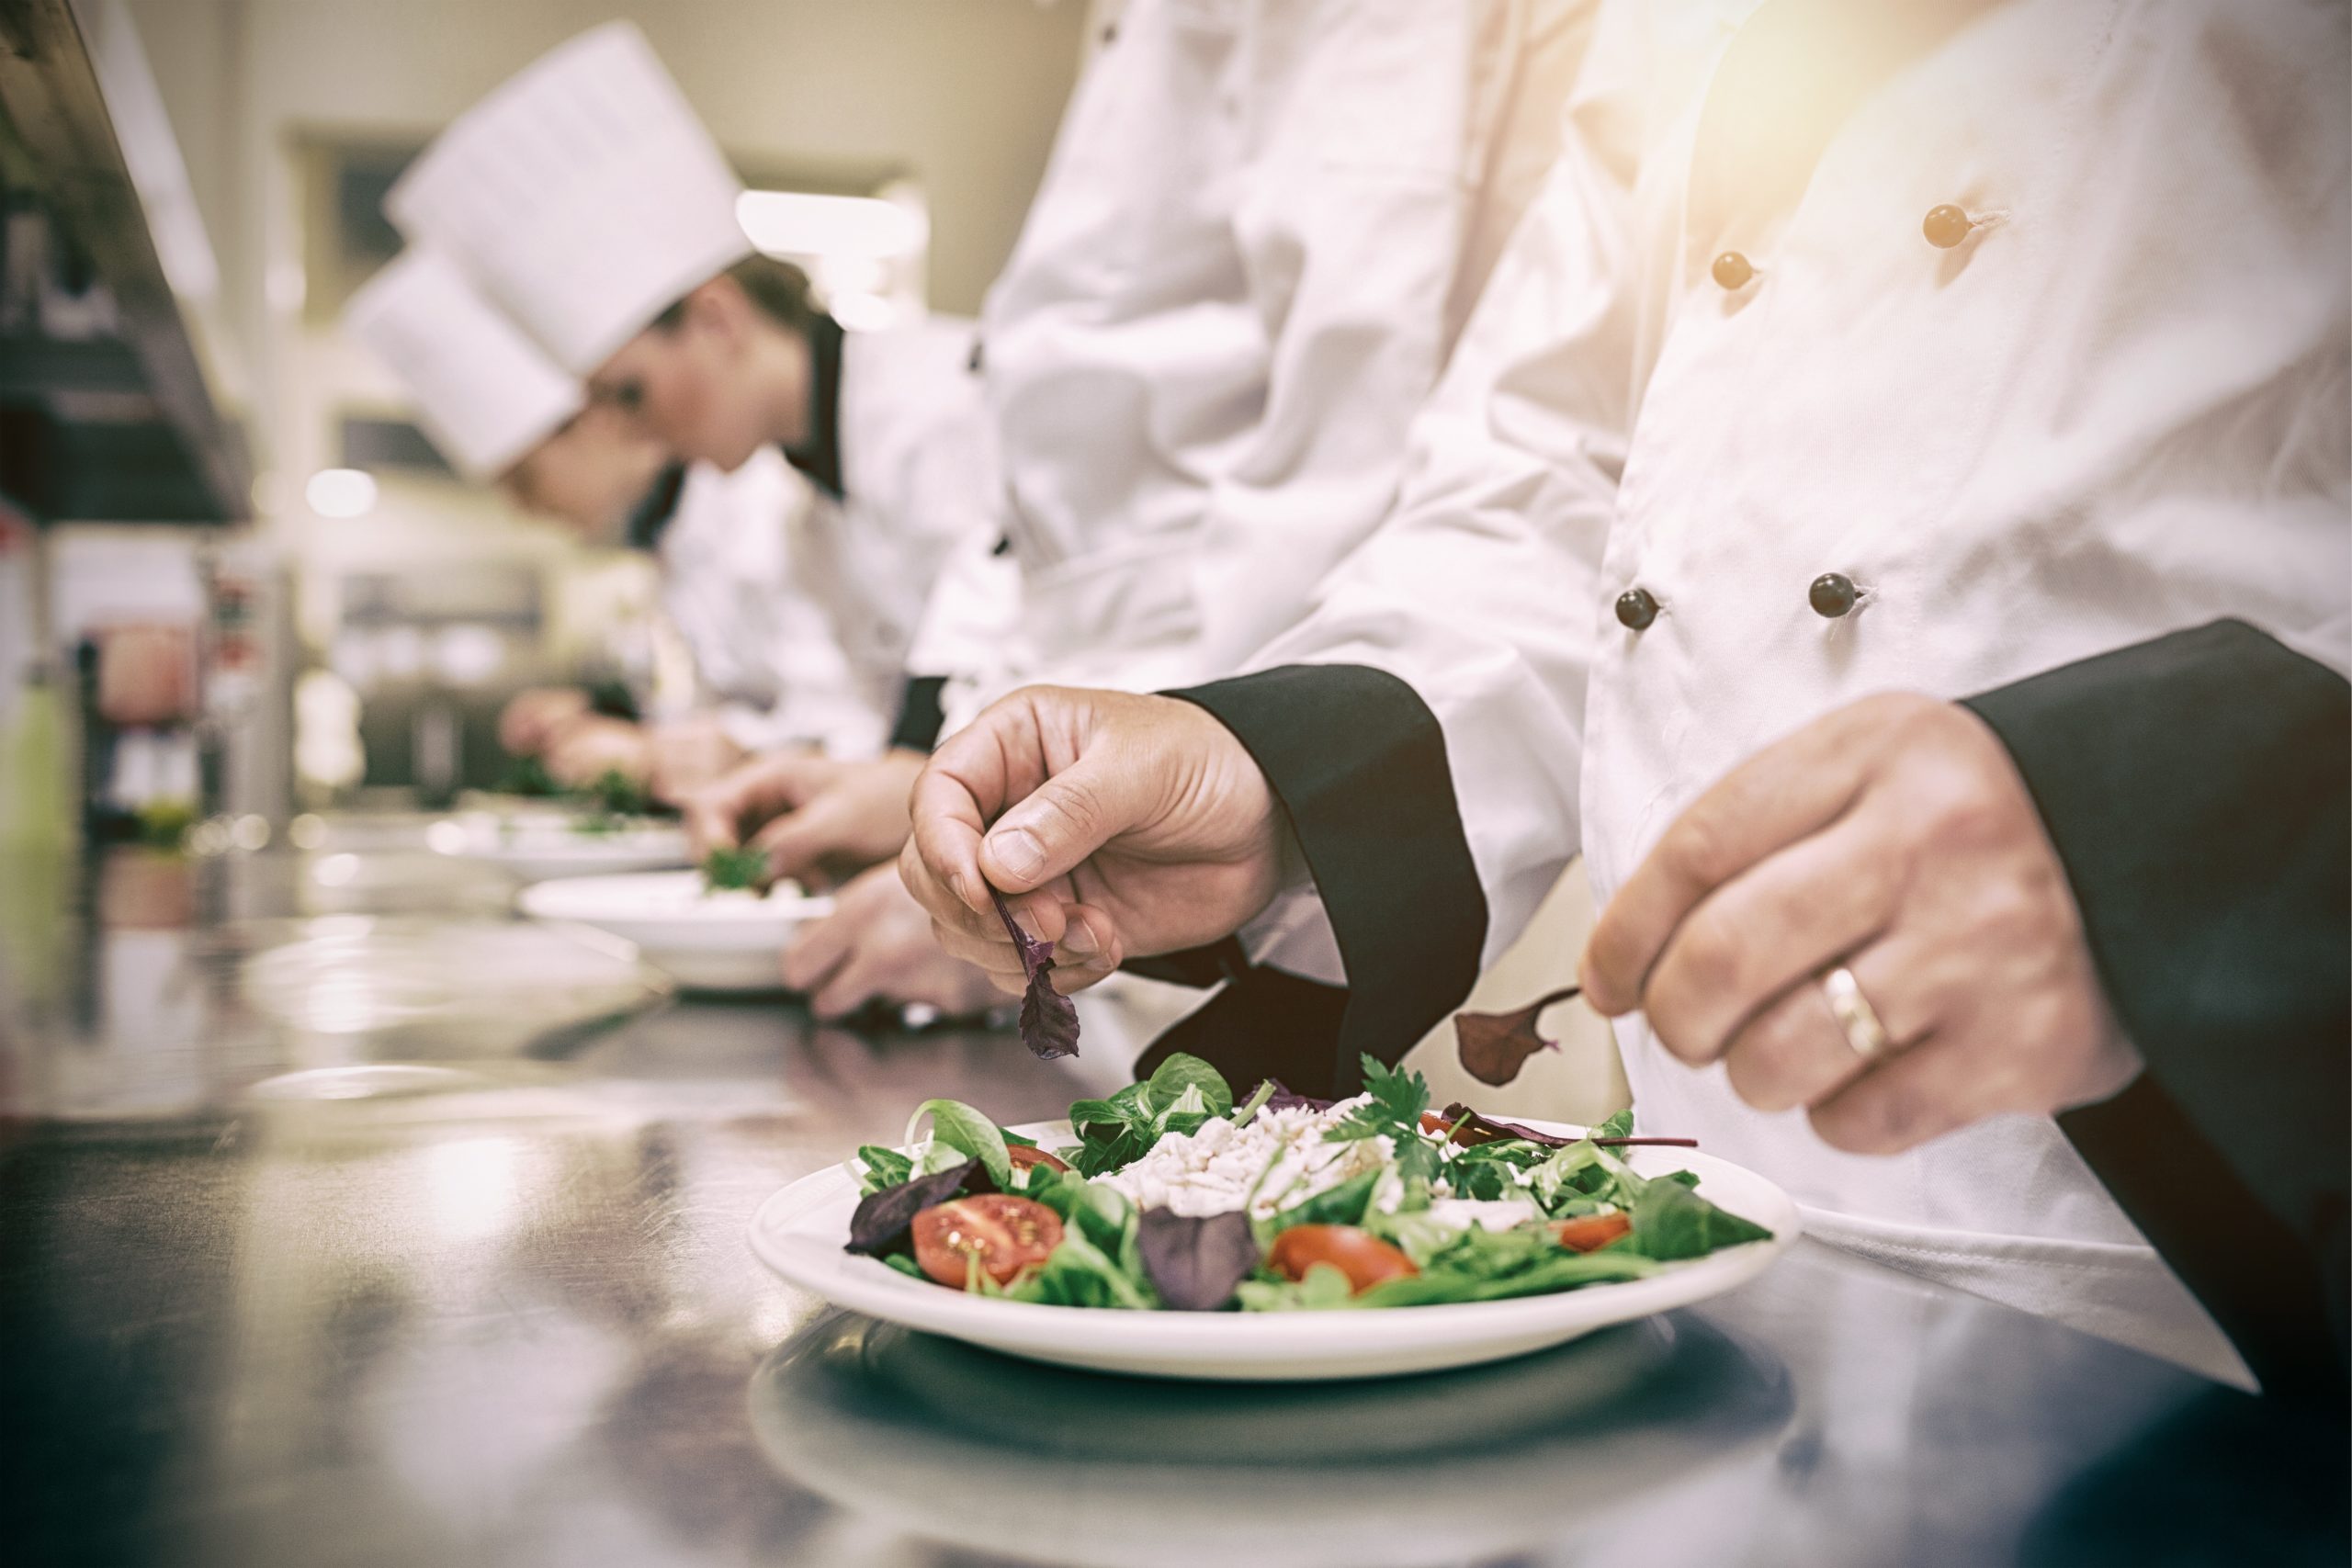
point(821, 822)
point(1130, 825)
point(531, 718)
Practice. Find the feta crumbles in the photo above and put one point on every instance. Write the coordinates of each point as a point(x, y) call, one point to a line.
point(1213, 1171)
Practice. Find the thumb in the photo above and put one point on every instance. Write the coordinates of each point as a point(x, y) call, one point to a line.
point(798, 842)
point(1067, 819)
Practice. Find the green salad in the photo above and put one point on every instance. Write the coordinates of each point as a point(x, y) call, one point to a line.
point(1171, 1196)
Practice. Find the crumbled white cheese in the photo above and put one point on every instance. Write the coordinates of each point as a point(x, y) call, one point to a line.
point(1495, 1213)
point(1212, 1171)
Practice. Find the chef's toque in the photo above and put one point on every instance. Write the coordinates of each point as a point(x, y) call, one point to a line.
point(582, 195)
point(484, 391)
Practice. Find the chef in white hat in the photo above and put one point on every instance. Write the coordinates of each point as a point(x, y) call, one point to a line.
point(1259, 230)
point(588, 200)
point(732, 547)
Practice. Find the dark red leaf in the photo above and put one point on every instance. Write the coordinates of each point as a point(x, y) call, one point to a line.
point(879, 1224)
point(1496, 1046)
point(1194, 1261)
point(1048, 1019)
point(1283, 1098)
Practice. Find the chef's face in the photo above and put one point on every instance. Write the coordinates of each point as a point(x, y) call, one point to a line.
point(697, 379)
point(589, 475)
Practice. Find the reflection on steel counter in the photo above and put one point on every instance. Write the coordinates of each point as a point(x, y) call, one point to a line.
point(262, 1305)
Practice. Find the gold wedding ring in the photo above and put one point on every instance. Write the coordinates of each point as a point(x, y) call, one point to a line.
point(1853, 1011)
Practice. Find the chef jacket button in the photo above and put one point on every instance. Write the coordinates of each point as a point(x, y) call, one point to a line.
point(1732, 270)
point(1636, 609)
point(1947, 226)
point(1832, 595)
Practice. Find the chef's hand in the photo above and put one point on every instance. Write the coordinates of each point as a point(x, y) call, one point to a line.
point(1134, 825)
point(689, 754)
point(531, 718)
point(593, 745)
point(820, 820)
point(1893, 837)
point(877, 944)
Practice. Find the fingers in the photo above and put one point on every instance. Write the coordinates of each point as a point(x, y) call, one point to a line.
point(1795, 1053)
point(800, 842)
point(1067, 817)
point(1778, 923)
point(1782, 793)
point(747, 795)
point(1939, 1086)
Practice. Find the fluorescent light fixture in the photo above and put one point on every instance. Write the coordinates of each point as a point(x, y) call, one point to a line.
point(341, 492)
point(799, 223)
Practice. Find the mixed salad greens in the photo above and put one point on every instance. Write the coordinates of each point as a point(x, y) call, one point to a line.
point(1174, 1197)
point(743, 868)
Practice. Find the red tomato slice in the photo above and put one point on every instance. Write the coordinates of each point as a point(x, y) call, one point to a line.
point(1432, 1122)
point(1364, 1257)
point(1023, 1156)
point(1004, 1233)
point(1590, 1233)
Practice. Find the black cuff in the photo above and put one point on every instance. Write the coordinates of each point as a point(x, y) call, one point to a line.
point(1264, 1024)
point(919, 716)
point(1359, 763)
point(2199, 791)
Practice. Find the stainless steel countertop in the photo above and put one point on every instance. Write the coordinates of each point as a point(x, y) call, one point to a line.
point(397, 1251)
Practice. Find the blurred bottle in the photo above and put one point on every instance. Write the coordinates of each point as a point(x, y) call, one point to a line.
point(36, 809)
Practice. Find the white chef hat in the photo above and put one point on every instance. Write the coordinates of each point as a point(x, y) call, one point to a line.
point(485, 392)
point(582, 195)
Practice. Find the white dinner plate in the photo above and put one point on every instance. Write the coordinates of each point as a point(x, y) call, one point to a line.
point(799, 1233)
point(710, 942)
point(539, 845)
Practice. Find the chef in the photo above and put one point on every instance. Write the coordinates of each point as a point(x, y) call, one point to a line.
point(732, 547)
point(592, 205)
point(1856, 360)
point(1261, 229)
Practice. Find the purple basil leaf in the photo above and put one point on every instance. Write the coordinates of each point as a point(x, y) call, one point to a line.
point(1476, 1128)
point(1194, 1261)
point(1495, 1046)
point(1283, 1098)
point(1048, 1019)
point(880, 1223)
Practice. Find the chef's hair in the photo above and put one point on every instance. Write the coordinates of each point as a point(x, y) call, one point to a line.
point(779, 288)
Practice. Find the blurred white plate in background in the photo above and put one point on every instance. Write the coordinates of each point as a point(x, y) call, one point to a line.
point(712, 942)
point(537, 846)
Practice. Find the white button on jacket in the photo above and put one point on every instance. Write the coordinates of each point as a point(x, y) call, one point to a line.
point(2116, 407)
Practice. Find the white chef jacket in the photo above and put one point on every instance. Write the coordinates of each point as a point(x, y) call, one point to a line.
point(1260, 227)
point(743, 559)
point(798, 606)
point(2119, 408)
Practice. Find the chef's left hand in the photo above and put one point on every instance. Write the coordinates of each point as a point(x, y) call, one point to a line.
point(877, 942)
point(1894, 836)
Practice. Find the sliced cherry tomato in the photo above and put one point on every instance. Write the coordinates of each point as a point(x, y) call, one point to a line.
point(1590, 1233)
point(1432, 1122)
point(1364, 1257)
point(1004, 1233)
point(1023, 1156)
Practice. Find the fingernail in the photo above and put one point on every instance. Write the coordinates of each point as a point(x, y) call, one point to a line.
point(1017, 850)
point(1078, 942)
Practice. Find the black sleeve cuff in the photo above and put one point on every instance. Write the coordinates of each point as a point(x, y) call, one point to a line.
point(920, 715)
point(1358, 761)
point(2199, 791)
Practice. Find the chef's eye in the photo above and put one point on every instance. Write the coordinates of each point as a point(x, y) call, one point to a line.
point(626, 395)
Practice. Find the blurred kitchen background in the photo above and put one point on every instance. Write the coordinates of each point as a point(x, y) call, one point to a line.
point(236, 584)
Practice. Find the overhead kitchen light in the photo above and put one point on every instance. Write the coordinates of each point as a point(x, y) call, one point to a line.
point(799, 223)
point(341, 492)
